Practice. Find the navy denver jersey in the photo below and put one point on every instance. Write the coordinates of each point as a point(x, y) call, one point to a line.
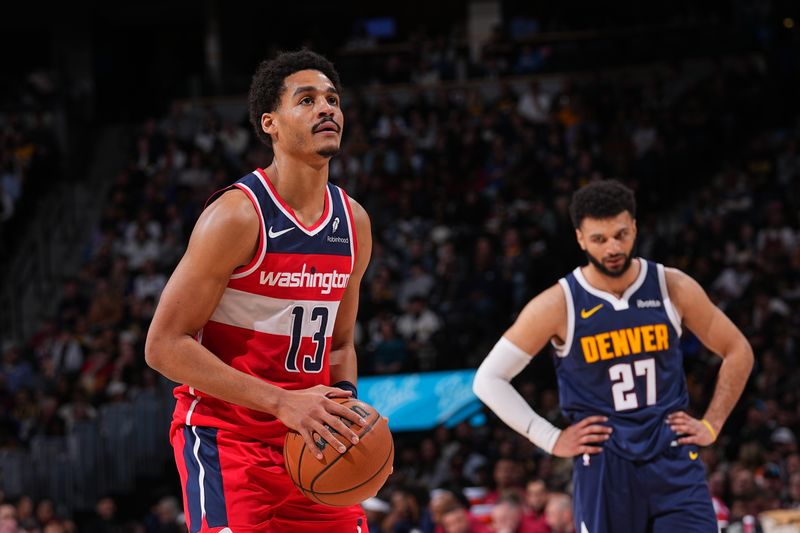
point(621, 358)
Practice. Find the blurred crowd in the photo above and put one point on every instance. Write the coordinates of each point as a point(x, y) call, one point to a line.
point(468, 195)
point(28, 149)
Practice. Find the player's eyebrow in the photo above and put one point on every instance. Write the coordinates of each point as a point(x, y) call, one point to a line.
point(311, 88)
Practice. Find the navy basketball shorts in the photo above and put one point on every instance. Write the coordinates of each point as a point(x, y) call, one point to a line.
point(663, 495)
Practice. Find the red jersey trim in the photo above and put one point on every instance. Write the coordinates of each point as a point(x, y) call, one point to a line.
point(327, 211)
point(261, 251)
point(351, 226)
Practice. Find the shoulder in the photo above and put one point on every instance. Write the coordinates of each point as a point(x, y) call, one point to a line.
point(553, 296)
point(360, 219)
point(678, 280)
point(683, 289)
point(548, 306)
point(360, 215)
point(233, 209)
point(543, 318)
point(229, 226)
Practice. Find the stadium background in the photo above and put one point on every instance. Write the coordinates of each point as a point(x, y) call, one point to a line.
point(468, 126)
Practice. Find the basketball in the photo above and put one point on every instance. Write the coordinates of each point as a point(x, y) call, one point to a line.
point(341, 480)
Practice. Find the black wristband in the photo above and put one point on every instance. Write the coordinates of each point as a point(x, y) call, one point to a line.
point(346, 385)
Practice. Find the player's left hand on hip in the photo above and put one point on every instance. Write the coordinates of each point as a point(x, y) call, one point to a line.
point(692, 430)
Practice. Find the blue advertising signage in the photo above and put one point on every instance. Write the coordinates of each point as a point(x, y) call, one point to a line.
point(416, 402)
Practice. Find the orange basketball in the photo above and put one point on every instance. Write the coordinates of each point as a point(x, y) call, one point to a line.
point(341, 480)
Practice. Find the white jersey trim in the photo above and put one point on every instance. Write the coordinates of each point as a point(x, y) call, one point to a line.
point(291, 216)
point(672, 312)
point(562, 350)
point(350, 229)
point(262, 242)
point(270, 315)
point(619, 304)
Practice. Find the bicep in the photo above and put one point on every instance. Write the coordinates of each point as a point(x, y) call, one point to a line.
point(542, 319)
point(222, 240)
point(711, 326)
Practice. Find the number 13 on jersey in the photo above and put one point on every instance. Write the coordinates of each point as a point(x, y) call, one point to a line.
point(312, 363)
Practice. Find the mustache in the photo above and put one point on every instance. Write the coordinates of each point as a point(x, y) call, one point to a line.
point(319, 124)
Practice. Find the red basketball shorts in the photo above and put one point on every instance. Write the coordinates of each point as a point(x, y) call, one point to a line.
point(234, 484)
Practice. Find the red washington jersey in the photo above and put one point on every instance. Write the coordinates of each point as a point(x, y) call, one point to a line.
point(275, 319)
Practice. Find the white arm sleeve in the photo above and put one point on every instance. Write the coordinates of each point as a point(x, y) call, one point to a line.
point(493, 386)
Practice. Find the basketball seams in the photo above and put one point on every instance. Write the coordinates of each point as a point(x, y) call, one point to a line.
point(390, 454)
point(295, 471)
point(363, 432)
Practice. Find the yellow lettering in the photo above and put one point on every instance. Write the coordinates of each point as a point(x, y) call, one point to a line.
point(620, 343)
point(634, 339)
point(589, 349)
point(662, 337)
point(604, 346)
point(649, 338)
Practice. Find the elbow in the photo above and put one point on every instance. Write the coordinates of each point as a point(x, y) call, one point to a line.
point(748, 357)
point(152, 349)
point(479, 385)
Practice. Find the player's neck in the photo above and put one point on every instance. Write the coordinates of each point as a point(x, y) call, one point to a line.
point(300, 184)
point(615, 286)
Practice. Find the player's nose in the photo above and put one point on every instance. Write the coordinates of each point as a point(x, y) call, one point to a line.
point(325, 108)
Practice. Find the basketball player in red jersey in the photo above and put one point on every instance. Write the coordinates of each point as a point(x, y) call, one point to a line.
point(257, 320)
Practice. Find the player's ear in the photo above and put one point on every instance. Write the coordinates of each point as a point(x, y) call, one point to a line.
point(579, 237)
point(269, 124)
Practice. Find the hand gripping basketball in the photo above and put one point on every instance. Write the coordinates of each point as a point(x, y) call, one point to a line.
point(313, 413)
point(343, 479)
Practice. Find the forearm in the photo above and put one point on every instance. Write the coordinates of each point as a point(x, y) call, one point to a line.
point(184, 360)
point(492, 385)
point(733, 376)
point(344, 364)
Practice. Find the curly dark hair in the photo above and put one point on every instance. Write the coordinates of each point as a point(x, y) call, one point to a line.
point(601, 199)
point(267, 86)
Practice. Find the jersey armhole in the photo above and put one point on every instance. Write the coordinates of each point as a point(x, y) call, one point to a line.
point(562, 350)
point(258, 257)
point(351, 227)
point(672, 313)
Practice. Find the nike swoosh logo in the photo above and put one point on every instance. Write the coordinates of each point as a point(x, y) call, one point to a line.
point(273, 234)
point(590, 312)
point(693, 455)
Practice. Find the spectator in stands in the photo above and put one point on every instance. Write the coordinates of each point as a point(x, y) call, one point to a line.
point(558, 513)
point(507, 477)
point(458, 520)
point(8, 519)
point(534, 504)
point(507, 516)
point(165, 517)
point(409, 511)
point(390, 353)
point(375, 510)
point(105, 520)
point(417, 326)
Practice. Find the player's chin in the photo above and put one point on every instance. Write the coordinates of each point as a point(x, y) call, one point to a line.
point(328, 150)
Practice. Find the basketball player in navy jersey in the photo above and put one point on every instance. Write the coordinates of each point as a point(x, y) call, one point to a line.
point(615, 324)
point(257, 320)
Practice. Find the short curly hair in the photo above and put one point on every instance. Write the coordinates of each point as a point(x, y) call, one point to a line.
point(601, 199)
point(267, 86)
